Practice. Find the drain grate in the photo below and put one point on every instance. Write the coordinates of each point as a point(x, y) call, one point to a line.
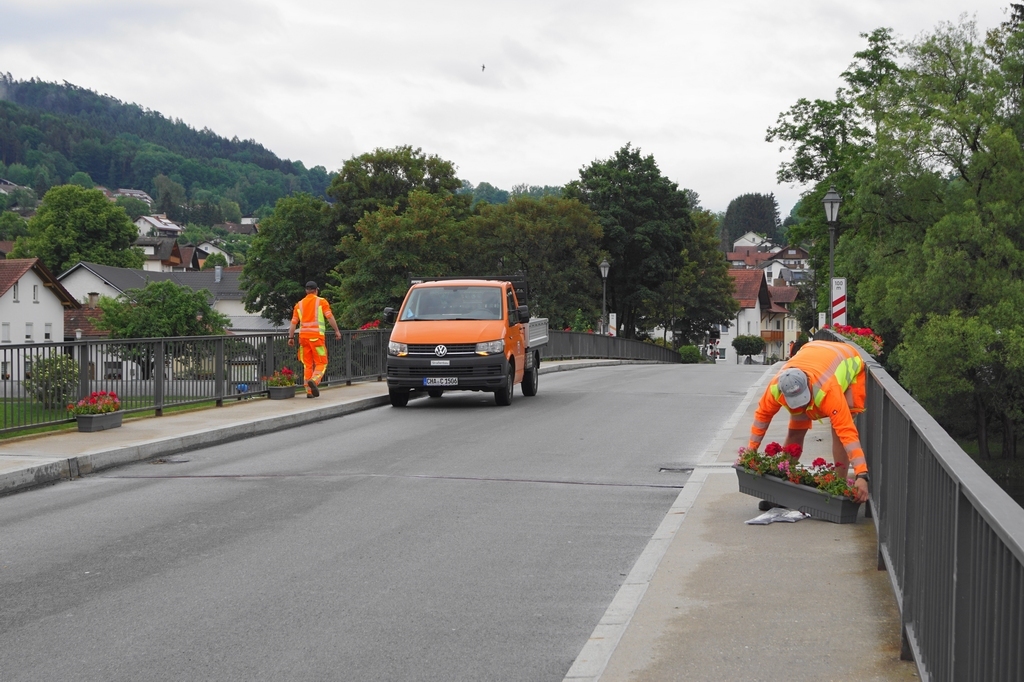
point(164, 460)
point(675, 470)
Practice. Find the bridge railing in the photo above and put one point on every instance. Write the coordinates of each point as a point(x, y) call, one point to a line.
point(574, 345)
point(950, 538)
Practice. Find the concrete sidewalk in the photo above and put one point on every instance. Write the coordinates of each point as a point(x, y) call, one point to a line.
point(714, 599)
point(40, 459)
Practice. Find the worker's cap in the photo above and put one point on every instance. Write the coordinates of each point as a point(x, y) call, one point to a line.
point(311, 285)
point(793, 384)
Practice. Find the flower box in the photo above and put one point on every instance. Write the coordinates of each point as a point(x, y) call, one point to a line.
point(802, 497)
point(281, 392)
point(99, 422)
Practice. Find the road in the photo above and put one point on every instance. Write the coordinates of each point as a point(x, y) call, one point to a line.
point(449, 540)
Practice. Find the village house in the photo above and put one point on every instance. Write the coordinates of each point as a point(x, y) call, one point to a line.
point(162, 254)
point(157, 226)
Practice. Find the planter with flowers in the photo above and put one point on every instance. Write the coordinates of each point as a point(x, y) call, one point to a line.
point(862, 336)
point(97, 412)
point(281, 385)
point(776, 475)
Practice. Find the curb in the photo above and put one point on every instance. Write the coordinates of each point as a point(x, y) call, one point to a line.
point(65, 469)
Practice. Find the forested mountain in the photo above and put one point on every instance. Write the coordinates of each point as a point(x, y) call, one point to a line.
point(49, 131)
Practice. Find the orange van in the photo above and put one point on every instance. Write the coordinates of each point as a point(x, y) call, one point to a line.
point(464, 334)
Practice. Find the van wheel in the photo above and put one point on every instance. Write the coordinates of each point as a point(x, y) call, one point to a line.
point(531, 379)
point(504, 395)
point(435, 392)
point(399, 398)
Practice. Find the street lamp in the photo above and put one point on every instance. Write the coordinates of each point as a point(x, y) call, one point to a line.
point(831, 202)
point(605, 266)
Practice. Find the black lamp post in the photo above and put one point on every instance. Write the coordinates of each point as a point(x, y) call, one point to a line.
point(605, 266)
point(831, 202)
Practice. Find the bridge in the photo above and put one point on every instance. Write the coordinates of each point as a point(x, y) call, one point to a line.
point(669, 583)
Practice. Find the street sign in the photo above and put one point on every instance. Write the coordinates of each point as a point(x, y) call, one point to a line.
point(822, 320)
point(838, 300)
point(612, 322)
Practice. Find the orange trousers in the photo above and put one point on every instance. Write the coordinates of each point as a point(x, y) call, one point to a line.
point(313, 355)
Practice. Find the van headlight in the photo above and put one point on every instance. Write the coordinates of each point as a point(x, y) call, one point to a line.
point(490, 347)
point(399, 349)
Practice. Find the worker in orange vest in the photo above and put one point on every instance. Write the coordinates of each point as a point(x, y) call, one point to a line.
point(824, 379)
point(311, 315)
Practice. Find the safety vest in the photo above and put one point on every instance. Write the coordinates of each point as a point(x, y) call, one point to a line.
point(844, 367)
point(311, 316)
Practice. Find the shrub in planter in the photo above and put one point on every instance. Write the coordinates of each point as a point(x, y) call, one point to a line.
point(689, 354)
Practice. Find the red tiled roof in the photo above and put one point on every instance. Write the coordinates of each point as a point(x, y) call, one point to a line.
point(84, 319)
point(750, 286)
point(784, 295)
point(11, 270)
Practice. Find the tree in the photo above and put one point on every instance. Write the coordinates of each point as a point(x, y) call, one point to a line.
point(757, 213)
point(160, 309)
point(12, 226)
point(82, 180)
point(748, 345)
point(386, 246)
point(385, 177)
point(555, 242)
point(53, 380)
point(75, 224)
point(213, 260)
point(645, 218)
point(135, 208)
point(295, 244)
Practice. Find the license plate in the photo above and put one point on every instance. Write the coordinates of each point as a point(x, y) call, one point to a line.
point(440, 381)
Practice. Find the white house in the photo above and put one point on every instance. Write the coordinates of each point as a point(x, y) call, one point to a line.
point(157, 226)
point(32, 305)
point(755, 240)
point(211, 248)
point(755, 303)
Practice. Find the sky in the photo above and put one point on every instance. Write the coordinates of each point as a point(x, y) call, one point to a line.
point(567, 82)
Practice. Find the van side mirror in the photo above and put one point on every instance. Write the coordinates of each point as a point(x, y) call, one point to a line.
point(524, 314)
point(389, 316)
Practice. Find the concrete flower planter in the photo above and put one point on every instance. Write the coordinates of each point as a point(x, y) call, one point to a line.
point(792, 496)
point(281, 392)
point(88, 423)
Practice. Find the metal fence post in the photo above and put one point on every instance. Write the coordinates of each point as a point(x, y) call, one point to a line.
point(348, 358)
point(83, 369)
point(269, 358)
point(158, 378)
point(219, 372)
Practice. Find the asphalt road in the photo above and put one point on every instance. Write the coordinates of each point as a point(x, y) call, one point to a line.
point(450, 540)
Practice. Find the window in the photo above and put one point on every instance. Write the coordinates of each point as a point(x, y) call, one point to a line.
point(28, 332)
point(15, 290)
point(113, 370)
point(5, 332)
point(48, 331)
point(721, 354)
point(778, 324)
point(748, 328)
point(35, 293)
point(513, 315)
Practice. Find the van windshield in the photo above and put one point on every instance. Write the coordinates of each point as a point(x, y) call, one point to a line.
point(453, 303)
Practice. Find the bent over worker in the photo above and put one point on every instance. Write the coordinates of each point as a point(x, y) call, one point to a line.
point(311, 315)
point(825, 379)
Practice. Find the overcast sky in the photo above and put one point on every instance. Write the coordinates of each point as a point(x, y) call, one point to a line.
point(696, 84)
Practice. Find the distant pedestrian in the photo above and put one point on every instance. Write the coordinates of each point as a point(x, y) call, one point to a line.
point(311, 315)
point(824, 379)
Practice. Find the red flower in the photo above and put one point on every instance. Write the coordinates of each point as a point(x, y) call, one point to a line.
point(772, 449)
point(94, 394)
point(819, 462)
point(793, 450)
point(113, 395)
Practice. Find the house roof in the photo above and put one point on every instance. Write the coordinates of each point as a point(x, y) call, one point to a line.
point(84, 318)
point(237, 228)
point(158, 222)
point(751, 287)
point(13, 269)
point(784, 295)
point(801, 253)
point(748, 255)
point(164, 248)
point(122, 279)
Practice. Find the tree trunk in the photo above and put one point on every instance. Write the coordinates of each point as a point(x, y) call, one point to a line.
point(982, 432)
point(1009, 438)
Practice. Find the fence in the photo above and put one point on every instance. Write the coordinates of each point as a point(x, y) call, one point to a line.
point(37, 381)
point(572, 345)
point(950, 538)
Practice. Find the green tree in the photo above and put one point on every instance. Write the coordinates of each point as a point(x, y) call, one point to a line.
point(82, 180)
point(646, 219)
point(75, 224)
point(295, 244)
point(53, 380)
point(12, 226)
point(213, 260)
point(135, 208)
point(748, 345)
point(427, 238)
point(757, 213)
point(160, 309)
point(555, 242)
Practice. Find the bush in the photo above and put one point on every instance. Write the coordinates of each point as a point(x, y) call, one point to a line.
point(748, 345)
point(54, 380)
point(689, 354)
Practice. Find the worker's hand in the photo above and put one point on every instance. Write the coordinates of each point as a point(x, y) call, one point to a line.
point(860, 490)
point(337, 335)
point(291, 341)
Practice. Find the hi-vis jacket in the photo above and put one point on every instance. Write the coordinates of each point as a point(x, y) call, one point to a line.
point(836, 374)
point(310, 316)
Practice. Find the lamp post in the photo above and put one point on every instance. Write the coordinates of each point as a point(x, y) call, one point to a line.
point(831, 202)
point(605, 266)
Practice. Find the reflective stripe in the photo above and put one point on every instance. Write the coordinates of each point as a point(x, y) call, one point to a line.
point(311, 322)
point(852, 447)
point(760, 426)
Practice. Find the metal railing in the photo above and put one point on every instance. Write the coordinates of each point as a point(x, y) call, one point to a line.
point(950, 538)
point(572, 345)
point(37, 381)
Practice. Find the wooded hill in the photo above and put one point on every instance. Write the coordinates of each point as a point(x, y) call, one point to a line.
point(50, 131)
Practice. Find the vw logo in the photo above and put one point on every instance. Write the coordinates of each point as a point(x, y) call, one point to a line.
point(441, 351)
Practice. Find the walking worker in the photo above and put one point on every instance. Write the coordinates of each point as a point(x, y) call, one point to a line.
point(311, 314)
point(824, 379)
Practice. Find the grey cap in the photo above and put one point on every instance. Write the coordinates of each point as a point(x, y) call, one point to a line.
point(311, 285)
point(793, 384)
